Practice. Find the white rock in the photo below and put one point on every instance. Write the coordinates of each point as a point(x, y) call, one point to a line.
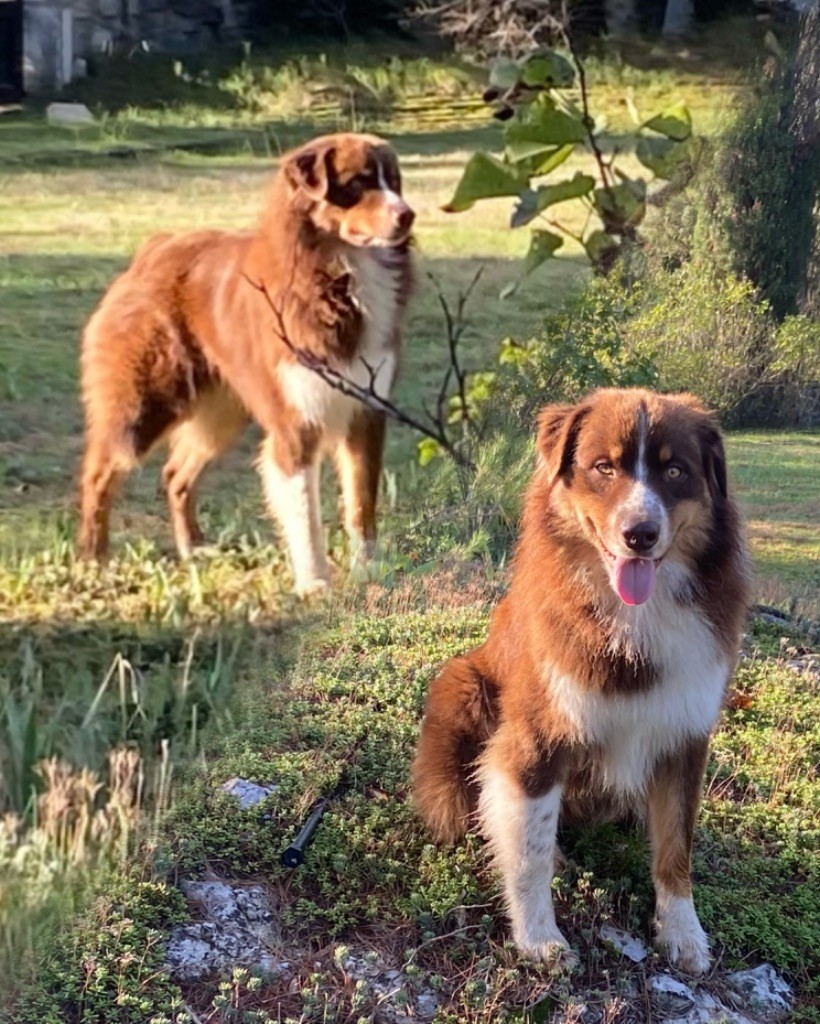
point(426, 1005)
point(687, 1005)
point(238, 930)
point(625, 943)
point(671, 995)
point(249, 794)
point(69, 113)
point(762, 989)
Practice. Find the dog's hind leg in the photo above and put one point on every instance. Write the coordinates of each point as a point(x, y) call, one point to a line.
point(358, 465)
point(216, 422)
point(459, 718)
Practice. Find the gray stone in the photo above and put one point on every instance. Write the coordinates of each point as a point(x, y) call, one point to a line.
point(69, 113)
point(671, 995)
point(685, 1004)
point(775, 620)
point(629, 945)
point(238, 929)
point(808, 665)
point(249, 794)
point(762, 990)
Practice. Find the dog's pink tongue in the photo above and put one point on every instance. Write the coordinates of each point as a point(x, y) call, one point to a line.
point(634, 579)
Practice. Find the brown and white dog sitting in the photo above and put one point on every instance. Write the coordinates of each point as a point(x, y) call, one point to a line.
point(607, 662)
point(184, 347)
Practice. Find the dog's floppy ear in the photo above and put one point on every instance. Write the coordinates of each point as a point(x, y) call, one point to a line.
point(307, 169)
point(713, 453)
point(714, 461)
point(558, 427)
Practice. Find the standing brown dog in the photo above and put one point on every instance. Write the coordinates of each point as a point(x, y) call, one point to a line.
point(607, 663)
point(184, 347)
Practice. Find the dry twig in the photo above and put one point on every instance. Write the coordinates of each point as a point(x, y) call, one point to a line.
point(367, 394)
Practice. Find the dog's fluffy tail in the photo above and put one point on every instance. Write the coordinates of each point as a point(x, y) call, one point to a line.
point(459, 718)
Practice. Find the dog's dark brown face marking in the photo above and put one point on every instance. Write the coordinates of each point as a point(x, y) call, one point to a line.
point(354, 184)
point(641, 473)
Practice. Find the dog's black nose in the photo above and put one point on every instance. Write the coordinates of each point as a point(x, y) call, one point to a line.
point(642, 537)
point(405, 219)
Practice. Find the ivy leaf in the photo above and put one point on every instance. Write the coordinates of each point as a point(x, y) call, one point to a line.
point(534, 201)
point(543, 245)
point(525, 209)
point(663, 157)
point(621, 206)
point(505, 73)
point(551, 128)
point(484, 177)
point(544, 164)
point(548, 70)
point(428, 449)
point(675, 123)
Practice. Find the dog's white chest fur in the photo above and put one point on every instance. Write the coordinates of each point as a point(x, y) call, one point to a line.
point(378, 293)
point(630, 732)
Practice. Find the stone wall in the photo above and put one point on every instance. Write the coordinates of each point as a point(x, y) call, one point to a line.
point(52, 28)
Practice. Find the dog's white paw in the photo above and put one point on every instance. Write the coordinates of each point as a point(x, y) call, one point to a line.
point(681, 937)
point(362, 553)
point(550, 947)
point(312, 587)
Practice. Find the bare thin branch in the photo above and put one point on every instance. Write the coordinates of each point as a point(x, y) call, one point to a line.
point(368, 394)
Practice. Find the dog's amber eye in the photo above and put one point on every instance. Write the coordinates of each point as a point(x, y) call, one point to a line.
point(673, 472)
point(605, 468)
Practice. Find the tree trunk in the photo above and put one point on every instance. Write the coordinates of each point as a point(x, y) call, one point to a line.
point(677, 20)
point(804, 125)
point(621, 18)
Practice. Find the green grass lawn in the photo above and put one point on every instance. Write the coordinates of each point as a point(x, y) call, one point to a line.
point(212, 669)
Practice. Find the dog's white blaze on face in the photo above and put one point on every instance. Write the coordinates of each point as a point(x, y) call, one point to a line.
point(642, 503)
point(392, 198)
point(642, 467)
point(522, 833)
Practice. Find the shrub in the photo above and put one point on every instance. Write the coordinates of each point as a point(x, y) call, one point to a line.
point(706, 333)
point(581, 346)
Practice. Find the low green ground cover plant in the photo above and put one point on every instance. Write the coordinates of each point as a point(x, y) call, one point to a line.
point(342, 721)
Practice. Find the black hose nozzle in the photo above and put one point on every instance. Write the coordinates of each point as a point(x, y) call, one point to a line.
point(294, 855)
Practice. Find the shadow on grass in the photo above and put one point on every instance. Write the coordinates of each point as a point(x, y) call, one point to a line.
point(28, 145)
point(77, 690)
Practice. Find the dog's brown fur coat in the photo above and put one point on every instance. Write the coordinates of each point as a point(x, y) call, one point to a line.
point(576, 701)
point(184, 345)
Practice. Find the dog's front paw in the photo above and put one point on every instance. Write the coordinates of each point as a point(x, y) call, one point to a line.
point(550, 947)
point(362, 554)
point(312, 587)
point(681, 937)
